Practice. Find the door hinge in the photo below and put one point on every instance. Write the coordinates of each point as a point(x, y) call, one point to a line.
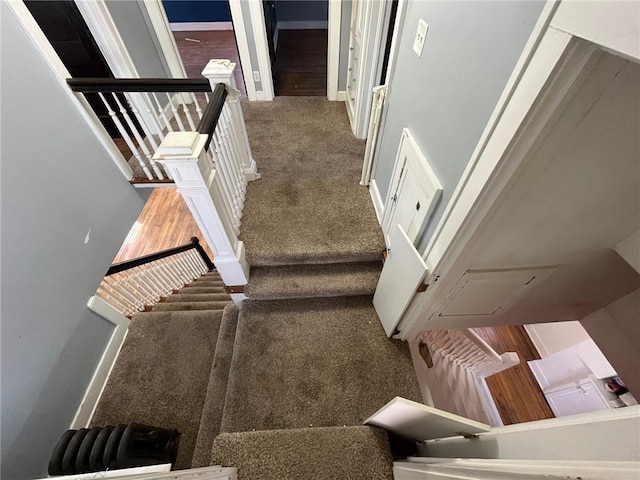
point(394, 198)
point(422, 287)
point(467, 435)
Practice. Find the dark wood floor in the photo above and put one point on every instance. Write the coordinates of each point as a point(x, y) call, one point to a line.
point(516, 393)
point(301, 63)
point(197, 48)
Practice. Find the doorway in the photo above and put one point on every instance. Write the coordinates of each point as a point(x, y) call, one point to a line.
point(297, 37)
point(203, 30)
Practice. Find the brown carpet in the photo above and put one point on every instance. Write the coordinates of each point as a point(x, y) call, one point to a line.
point(300, 281)
point(338, 453)
point(308, 207)
point(217, 388)
point(313, 362)
point(161, 375)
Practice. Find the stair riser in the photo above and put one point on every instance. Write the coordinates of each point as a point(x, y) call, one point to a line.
point(180, 306)
point(199, 297)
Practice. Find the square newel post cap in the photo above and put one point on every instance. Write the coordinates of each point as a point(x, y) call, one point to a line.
point(220, 71)
point(180, 145)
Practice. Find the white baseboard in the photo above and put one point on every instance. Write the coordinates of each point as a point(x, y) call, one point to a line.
point(103, 370)
point(378, 205)
point(311, 25)
point(537, 340)
point(489, 403)
point(200, 26)
point(342, 95)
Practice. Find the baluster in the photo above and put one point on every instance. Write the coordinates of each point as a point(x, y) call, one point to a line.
point(235, 159)
point(141, 142)
point(125, 285)
point(206, 97)
point(202, 266)
point(184, 269)
point(125, 135)
point(153, 115)
point(187, 113)
point(167, 123)
point(131, 283)
point(197, 266)
point(224, 161)
point(149, 135)
point(224, 182)
point(172, 271)
point(140, 275)
point(176, 114)
point(157, 282)
point(115, 282)
point(197, 104)
point(103, 293)
point(168, 285)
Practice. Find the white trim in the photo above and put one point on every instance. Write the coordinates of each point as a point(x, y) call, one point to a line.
point(341, 96)
point(305, 25)
point(537, 340)
point(107, 361)
point(243, 48)
point(159, 472)
point(333, 50)
point(489, 403)
point(378, 205)
point(200, 26)
point(160, 25)
point(256, 13)
point(33, 31)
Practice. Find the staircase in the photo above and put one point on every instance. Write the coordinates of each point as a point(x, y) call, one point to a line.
point(281, 386)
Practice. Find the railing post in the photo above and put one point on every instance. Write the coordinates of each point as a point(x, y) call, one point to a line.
point(184, 156)
point(221, 71)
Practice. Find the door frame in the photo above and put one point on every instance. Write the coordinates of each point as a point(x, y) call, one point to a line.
point(563, 47)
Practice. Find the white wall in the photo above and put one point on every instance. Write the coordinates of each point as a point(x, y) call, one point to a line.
point(447, 96)
point(57, 183)
point(550, 338)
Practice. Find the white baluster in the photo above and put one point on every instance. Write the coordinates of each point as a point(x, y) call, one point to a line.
point(231, 203)
point(235, 148)
point(227, 161)
point(187, 113)
point(141, 142)
point(176, 114)
point(162, 114)
point(197, 104)
point(125, 136)
point(233, 159)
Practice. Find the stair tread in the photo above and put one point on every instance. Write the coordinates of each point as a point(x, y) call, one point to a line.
point(213, 405)
point(190, 290)
point(302, 281)
point(357, 452)
point(198, 297)
point(182, 306)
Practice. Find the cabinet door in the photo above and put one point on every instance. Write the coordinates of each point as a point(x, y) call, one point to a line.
point(579, 397)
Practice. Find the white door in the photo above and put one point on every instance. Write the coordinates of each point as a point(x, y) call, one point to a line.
point(402, 273)
point(414, 191)
point(420, 422)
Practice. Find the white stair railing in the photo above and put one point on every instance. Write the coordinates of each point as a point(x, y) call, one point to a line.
point(211, 168)
point(132, 285)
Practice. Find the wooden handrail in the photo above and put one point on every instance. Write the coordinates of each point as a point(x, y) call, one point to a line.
point(136, 262)
point(144, 85)
point(212, 113)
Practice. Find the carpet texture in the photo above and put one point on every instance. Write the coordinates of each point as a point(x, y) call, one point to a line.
point(308, 206)
point(313, 362)
point(340, 453)
point(187, 306)
point(301, 281)
point(217, 388)
point(161, 375)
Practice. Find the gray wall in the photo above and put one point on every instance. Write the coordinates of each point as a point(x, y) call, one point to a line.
point(446, 97)
point(302, 10)
point(135, 28)
point(57, 182)
point(345, 33)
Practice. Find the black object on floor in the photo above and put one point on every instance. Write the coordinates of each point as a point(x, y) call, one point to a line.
point(109, 447)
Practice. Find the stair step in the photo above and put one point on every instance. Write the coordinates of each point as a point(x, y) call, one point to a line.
point(198, 297)
point(207, 284)
point(303, 281)
point(191, 290)
point(357, 452)
point(213, 406)
point(182, 306)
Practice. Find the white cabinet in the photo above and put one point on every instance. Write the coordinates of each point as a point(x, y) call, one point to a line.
point(579, 397)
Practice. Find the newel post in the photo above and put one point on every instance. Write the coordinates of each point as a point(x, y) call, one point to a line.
point(221, 71)
point(184, 157)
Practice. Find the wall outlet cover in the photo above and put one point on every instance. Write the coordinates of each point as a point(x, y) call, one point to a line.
point(421, 34)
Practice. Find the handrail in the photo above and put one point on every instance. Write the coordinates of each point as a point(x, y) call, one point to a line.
point(212, 113)
point(136, 262)
point(144, 85)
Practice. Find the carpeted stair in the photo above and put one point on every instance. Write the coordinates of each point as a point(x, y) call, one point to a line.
point(166, 364)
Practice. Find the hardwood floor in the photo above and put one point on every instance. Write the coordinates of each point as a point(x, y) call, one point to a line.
point(516, 393)
point(301, 63)
point(165, 222)
point(197, 48)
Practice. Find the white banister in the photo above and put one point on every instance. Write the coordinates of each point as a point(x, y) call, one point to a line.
point(200, 182)
point(221, 71)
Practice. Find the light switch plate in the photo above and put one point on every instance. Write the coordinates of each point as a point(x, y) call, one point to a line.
point(421, 34)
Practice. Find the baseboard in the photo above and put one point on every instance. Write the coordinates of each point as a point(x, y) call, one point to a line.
point(342, 96)
point(489, 403)
point(377, 200)
point(103, 370)
point(537, 340)
point(200, 26)
point(301, 25)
